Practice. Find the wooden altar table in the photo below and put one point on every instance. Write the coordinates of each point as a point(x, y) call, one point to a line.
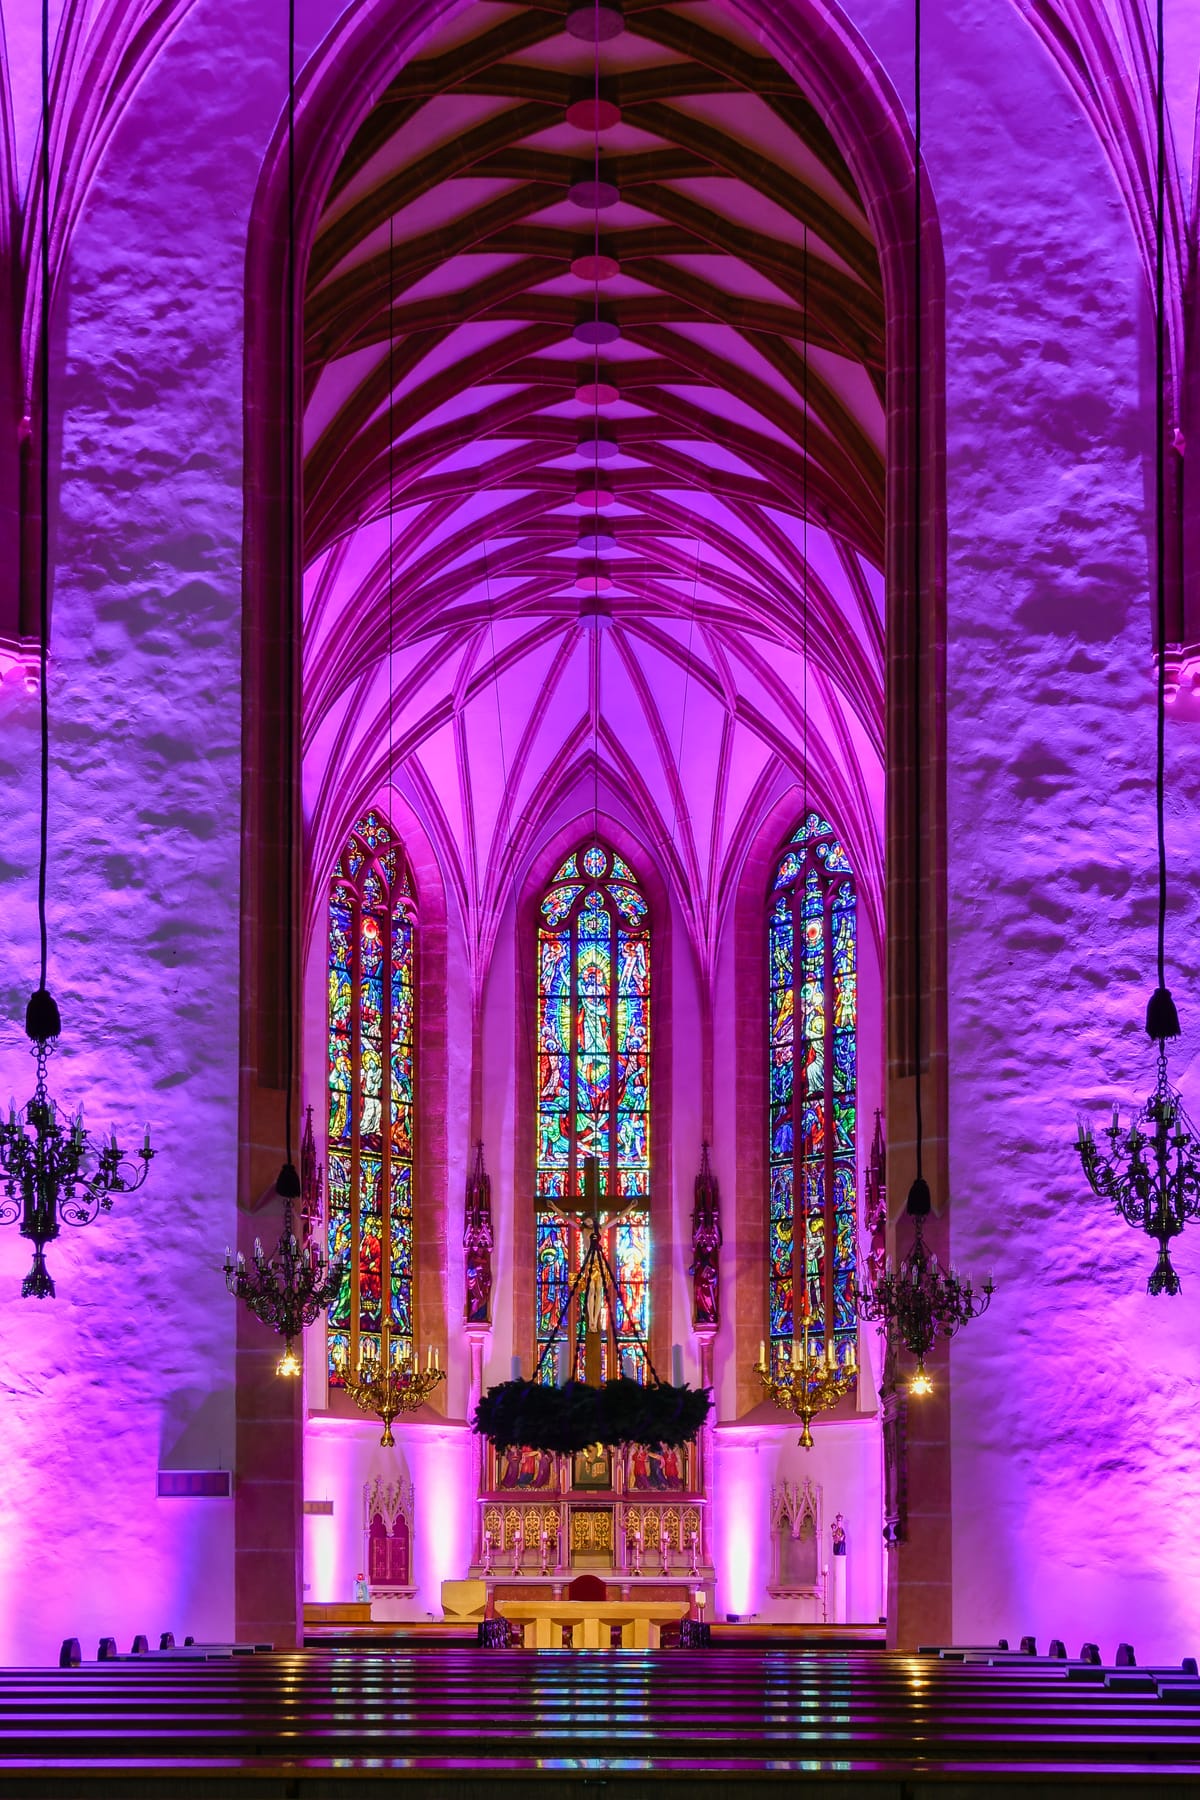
point(640, 1621)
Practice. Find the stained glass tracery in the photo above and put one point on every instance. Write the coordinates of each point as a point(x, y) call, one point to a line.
point(593, 1075)
point(812, 955)
point(372, 949)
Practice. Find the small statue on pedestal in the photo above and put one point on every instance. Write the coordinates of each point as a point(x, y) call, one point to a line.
point(706, 1240)
point(838, 1533)
point(477, 1243)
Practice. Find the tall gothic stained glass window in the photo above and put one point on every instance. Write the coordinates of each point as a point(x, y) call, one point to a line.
point(812, 972)
point(372, 941)
point(593, 1075)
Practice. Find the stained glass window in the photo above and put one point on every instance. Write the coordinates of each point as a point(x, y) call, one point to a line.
point(372, 937)
point(812, 956)
point(593, 1035)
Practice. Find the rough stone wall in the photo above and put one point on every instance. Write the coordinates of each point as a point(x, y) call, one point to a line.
point(1073, 1448)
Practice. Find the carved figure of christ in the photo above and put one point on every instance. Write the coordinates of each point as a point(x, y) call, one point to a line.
point(594, 1217)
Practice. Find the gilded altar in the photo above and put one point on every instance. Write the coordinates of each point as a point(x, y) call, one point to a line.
point(629, 1516)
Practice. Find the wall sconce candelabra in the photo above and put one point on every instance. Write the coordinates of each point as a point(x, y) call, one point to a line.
point(52, 1175)
point(389, 1384)
point(812, 1385)
point(917, 1301)
point(1149, 1172)
point(292, 1287)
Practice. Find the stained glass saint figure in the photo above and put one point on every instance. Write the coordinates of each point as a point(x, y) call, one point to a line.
point(593, 1074)
point(812, 957)
point(372, 939)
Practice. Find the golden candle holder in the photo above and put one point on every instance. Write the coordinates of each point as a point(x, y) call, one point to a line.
point(388, 1387)
point(812, 1384)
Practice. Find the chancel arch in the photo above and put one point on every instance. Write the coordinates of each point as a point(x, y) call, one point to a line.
point(744, 558)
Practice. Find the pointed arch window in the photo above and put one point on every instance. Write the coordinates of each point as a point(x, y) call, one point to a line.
point(593, 1076)
point(372, 959)
point(812, 944)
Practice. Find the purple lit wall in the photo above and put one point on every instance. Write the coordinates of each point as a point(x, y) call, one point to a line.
point(1074, 1453)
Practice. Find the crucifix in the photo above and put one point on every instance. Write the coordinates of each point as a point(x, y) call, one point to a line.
point(594, 1217)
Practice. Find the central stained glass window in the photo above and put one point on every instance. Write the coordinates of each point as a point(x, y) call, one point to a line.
point(812, 942)
point(593, 1074)
point(372, 949)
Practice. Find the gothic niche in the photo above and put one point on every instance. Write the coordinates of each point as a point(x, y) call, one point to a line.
point(706, 1241)
point(796, 1538)
point(477, 1243)
point(387, 1523)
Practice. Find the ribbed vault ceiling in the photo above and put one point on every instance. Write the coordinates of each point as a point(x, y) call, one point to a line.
point(539, 567)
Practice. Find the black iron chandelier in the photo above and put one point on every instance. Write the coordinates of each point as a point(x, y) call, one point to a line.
point(916, 1300)
point(289, 1289)
point(52, 1173)
point(1149, 1171)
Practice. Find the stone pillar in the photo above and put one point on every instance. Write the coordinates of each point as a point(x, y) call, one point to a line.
point(705, 1336)
point(479, 1338)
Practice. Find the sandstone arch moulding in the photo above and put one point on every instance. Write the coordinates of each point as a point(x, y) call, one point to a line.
point(342, 80)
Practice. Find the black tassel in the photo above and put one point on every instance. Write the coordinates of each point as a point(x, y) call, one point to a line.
point(42, 1021)
point(1162, 1020)
point(919, 1204)
point(288, 1184)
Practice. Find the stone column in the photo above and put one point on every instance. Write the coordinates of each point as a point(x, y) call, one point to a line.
point(705, 1336)
point(479, 1338)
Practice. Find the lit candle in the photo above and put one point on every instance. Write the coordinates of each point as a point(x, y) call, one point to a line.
point(146, 1140)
